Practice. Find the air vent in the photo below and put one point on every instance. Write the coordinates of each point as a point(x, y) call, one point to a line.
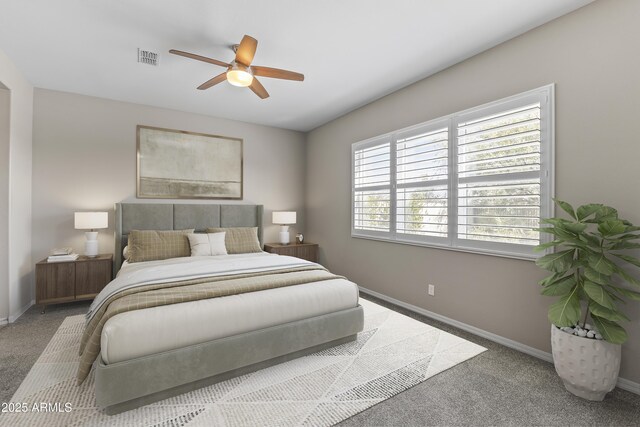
point(148, 57)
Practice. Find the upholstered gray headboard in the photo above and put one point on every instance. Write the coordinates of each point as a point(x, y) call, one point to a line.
point(152, 216)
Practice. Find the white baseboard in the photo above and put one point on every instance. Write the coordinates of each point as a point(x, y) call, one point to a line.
point(623, 383)
point(21, 312)
point(4, 321)
point(631, 386)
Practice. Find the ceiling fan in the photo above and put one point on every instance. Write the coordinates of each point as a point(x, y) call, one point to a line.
point(240, 72)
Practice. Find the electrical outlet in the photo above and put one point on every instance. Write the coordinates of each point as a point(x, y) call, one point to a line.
point(431, 290)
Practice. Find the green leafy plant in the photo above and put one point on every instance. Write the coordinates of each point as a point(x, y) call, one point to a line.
point(583, 272)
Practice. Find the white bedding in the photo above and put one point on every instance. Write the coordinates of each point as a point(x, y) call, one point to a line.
point(186, 268)
point(152, 330)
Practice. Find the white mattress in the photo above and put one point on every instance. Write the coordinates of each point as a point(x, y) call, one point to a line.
point(153, 330)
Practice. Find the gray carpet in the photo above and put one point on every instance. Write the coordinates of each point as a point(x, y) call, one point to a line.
point(22, 342)
point(498, 387)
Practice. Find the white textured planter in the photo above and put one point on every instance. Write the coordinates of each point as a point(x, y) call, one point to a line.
point(589, 368)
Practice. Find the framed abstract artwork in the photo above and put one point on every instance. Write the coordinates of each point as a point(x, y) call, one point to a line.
point(175, 164)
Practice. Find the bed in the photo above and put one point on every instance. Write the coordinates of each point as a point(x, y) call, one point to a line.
point(149, 354)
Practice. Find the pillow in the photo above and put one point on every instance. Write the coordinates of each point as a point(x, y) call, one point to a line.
point(150, 245)
point(207, 244)
point(125, 252)
point(240, 240)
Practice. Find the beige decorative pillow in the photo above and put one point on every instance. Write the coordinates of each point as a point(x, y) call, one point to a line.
point(240, 240)
point(207, 244)
point(151, 245)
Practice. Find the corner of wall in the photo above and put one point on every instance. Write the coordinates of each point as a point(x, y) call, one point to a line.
point(19, 287)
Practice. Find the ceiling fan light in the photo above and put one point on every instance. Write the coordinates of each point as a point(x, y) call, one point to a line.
point(239, 76)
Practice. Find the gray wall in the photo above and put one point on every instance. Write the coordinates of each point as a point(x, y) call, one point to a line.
point(591, 55)
point(18, 288)
point(84, 158)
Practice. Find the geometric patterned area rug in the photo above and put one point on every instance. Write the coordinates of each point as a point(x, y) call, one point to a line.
point(392, 354)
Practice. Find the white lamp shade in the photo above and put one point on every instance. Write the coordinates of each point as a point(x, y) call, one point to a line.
point(284, 218)
point(91, 220)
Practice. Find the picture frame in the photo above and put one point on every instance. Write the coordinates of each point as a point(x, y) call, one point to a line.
point(177, 164)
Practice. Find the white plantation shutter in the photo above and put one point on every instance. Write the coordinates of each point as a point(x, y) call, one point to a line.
point(499, 177)
point(479, 180)
point(422, 176)
point(502, 186)
point(372, 187)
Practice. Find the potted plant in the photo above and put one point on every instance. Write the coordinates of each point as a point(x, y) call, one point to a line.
point(588, 274)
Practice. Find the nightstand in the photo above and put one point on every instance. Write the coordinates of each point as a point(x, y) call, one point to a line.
point(308, 251)
point(79, 280)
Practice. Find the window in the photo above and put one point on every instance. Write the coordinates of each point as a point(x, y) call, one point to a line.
point(478, 180)
point(372, 188)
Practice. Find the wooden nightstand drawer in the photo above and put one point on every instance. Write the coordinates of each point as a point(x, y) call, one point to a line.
point(55, 282)
point(91, 277)
point(82, 279)
point(308, 251)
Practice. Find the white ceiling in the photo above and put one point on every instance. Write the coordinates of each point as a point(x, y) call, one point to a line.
point(351, 52)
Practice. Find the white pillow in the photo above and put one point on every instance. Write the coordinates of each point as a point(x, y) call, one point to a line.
point(207, 244)
point(125, 252)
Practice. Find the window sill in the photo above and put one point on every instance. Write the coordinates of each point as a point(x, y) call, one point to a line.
point(488, 252)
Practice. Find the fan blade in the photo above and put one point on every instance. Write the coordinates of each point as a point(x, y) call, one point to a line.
point(258, 89)
point(214, 81)
point(276, 73)
point(246, 50)
point(199, 58)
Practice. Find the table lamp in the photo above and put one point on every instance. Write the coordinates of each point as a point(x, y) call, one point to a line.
point(91, 221)
point(284, 219)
